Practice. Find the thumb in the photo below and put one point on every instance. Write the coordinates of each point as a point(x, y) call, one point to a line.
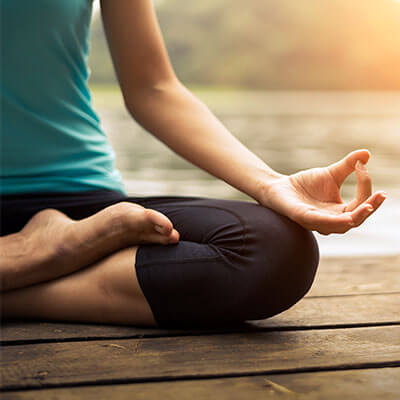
point(340, 170)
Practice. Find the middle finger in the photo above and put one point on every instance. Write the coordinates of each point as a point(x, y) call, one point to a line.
point(364, 186)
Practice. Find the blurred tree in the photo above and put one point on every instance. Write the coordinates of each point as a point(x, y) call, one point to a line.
point(276, 44)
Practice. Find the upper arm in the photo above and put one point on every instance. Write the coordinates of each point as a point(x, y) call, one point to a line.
point(136, 45)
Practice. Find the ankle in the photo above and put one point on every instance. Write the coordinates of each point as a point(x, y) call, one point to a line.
point(15, 249)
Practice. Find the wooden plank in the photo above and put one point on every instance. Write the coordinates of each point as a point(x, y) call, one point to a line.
point(19, 331)
point(335, 276)
point(383, 383)
point(367, 384)
point(357, 275)
point(308, 313)
point(129, 360)
point(313, 312)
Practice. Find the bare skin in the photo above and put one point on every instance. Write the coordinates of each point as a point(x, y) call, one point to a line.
point(312, 197)
point(52, 245)
point(151, 88)
point(105, 292)
point(59, 269)
point(83, 271)
point(108, 290)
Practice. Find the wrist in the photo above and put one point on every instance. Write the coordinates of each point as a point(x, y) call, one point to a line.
point(266, 178)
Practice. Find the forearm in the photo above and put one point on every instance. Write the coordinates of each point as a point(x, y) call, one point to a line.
point(187, 126)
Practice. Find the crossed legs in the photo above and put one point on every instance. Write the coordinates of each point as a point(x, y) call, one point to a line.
point(74, 270)
point(234, 261)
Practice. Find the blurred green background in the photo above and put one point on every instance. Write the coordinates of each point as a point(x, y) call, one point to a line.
point(299, 83)
point(276, 44)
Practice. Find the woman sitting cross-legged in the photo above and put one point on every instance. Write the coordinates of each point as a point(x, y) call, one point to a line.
point(75, 247)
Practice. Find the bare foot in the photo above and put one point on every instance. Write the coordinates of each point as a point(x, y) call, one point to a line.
point(51, 244)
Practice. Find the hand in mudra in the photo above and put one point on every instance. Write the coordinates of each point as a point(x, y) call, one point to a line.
point(312, 197)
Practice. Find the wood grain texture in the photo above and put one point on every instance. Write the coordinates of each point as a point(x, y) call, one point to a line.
point(374, 384)
point(338, 311)
point(129, 360)
point(308, 313)
point(356, 275)
point(369, 384)
point(336, 276)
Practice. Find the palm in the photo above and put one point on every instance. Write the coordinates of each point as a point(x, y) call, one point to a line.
point(312, 197)
point(318, 188)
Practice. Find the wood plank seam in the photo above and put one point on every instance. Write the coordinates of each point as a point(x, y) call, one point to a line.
point(351, 295)
point(249, 330)
point(171, 378)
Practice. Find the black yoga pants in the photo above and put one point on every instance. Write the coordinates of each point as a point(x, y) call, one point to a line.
point(235, 260)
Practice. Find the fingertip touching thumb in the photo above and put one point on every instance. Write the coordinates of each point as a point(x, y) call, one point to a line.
point(361, 166)
point(357, 156)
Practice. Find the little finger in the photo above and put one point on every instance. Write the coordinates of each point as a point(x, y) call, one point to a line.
point(363, 211)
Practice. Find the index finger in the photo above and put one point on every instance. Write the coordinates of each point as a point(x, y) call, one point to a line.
point(326, 223)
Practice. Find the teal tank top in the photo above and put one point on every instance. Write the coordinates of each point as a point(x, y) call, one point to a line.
point(51, 138)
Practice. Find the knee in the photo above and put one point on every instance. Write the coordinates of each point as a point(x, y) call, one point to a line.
point(286, 258)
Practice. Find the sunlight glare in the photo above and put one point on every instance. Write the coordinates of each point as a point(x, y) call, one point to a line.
point(96, 6)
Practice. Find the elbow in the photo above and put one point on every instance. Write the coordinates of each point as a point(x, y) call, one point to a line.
point(140, 100)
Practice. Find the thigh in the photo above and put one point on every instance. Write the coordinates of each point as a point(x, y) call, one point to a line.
point(235, 260)
point(200, 219)
point(200, 279)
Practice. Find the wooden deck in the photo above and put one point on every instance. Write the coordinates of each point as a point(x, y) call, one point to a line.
point(341, 342)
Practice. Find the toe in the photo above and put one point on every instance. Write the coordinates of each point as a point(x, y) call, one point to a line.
point(173, 237)
point(160, 222)
point(160, 239)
